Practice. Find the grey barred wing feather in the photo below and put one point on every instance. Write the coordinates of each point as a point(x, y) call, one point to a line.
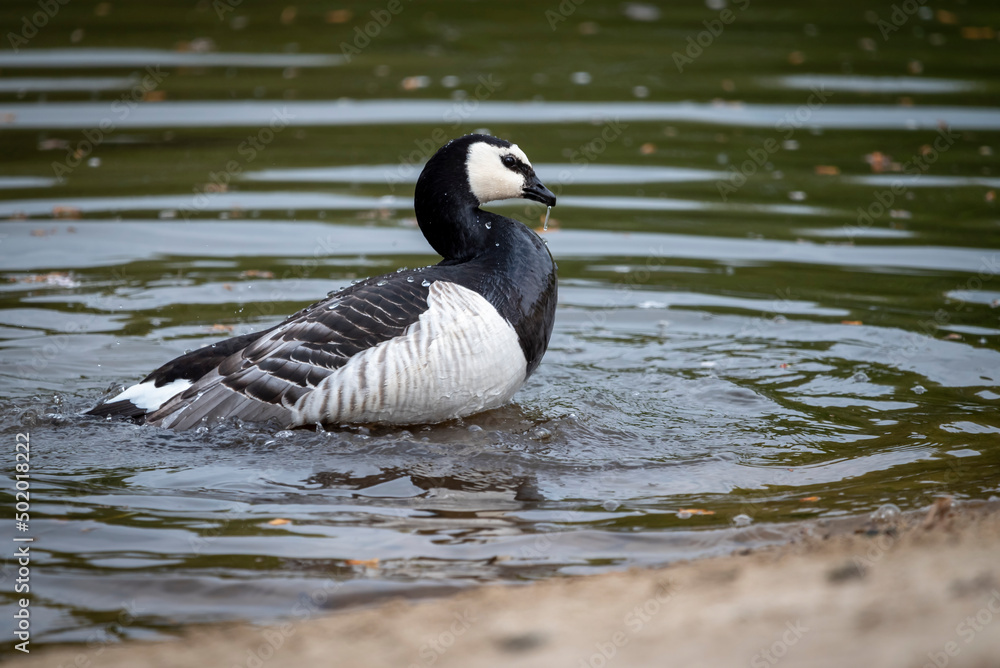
point(266, 380)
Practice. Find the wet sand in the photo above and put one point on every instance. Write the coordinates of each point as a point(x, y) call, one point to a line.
point(922, 589)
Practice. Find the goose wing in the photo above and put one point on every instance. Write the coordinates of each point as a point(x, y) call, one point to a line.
point(264, 380)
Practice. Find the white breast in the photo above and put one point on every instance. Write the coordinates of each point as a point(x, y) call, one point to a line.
point(460, 358)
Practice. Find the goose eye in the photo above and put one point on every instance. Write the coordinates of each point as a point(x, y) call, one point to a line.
point(508, 161)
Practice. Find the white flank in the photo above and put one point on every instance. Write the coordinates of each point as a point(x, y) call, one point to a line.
point(149, 397)
point(461, 357)
point(489, 178)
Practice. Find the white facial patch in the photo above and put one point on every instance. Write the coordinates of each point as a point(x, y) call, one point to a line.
point(489, 178)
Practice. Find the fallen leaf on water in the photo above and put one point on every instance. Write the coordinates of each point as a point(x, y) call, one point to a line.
point(946, 17)
point(224, 328)
point(971, 32)
point(65, 212)
point(851, 322)
point(648, 148)
point(695, 511)
point(339, 16)
point(810, 499)
point(278, 521)
point(257, 273)
point(953, 336)
point(57, 278)
point(827, 170)
point(367, 563)
point(198, 45)
point(416, 82)
point(879, 161)
point(52, 144)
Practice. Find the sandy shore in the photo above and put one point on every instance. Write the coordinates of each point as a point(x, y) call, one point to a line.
point(920, 590)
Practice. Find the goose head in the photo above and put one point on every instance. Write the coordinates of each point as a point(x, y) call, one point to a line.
point(463, 175)
point(497, 169)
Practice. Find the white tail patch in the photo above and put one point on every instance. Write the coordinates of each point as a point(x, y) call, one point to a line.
point(149, 397)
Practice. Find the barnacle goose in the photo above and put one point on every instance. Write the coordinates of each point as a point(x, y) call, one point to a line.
point(412, 347)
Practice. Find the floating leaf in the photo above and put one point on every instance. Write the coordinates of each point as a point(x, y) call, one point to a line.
point(65, 212)
point(946, 17)
point(339, 16)
point(971, 32)
point(367, 563)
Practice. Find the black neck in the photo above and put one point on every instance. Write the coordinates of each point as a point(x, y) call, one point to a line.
point(448, 213)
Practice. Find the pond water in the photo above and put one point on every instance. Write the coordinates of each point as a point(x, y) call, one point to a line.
point(779, 295)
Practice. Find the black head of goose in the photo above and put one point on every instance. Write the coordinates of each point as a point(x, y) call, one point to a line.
point(412, 347)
